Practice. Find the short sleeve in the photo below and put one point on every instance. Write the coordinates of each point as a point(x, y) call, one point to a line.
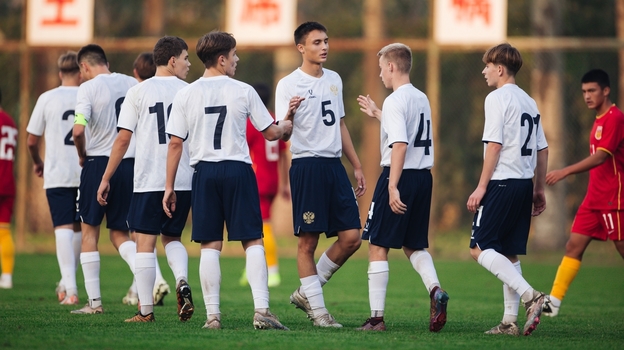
point(36, 124)
point(129, 114)
point(83, 104)
point(494, 120)
point(177, 125)
point(393, 122)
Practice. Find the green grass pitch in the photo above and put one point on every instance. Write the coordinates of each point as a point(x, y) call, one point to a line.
point(592, 315)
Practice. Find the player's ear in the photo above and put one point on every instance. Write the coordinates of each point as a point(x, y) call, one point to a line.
point(300, 48)
point(60, 75)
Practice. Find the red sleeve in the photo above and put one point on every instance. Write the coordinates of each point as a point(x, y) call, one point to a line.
point(612, 133)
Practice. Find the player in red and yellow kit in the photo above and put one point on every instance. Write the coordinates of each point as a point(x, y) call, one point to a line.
point(270, 163)
point(8, 140)
point(601, 214)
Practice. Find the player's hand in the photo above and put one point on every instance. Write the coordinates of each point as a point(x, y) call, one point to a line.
point(169, 202)
point(474, 201)
point(102, 192)
point(81, 161)
point(368, 106)
point(539, 203)
point(38, 169)
point(293, 105)
point(397, 206)
point(555, 176)
point(359, 177)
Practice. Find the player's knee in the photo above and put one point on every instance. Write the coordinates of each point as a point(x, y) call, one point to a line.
point(351, 243)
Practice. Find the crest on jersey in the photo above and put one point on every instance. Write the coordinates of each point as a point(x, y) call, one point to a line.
point(308, 217)
point(334, 90)
point(598, 134)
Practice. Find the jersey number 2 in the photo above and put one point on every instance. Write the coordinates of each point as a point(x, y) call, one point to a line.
point(69, 141)
point(530, 121)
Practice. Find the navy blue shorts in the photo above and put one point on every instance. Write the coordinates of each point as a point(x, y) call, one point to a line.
point(63, 202)
point(119, 197)
point(225, 191)
point(503, 220)
point(146, 214)
point(322, 197)
point(387, 229)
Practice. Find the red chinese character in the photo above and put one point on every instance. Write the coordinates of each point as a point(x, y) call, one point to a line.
point(59, 20)
point(471, 9)
point(263, 11)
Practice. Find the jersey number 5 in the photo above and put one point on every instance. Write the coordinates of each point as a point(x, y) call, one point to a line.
point(530, 121)
point(222, 111)
point(331, 120)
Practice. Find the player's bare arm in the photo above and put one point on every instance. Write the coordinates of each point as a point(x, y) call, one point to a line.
point(120, 146)
point(539, 197)
point(174, 153)
point(277, 131)
point(369, 107)
point(397, 160)
point(584, 165)
point(33, 148)
point(78, 133)
point(492, 154)
point(349, 152)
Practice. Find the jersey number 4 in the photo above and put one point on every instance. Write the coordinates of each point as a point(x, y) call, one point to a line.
point(530, 121)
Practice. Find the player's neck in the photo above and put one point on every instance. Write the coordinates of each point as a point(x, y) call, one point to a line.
point(313, 69)
point(504, 80)
point(399, 81)
point(164, 71)
point(604, 107)
point(213, 72)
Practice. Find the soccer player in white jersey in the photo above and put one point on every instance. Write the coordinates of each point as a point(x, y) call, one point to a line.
point(95, 127)
point(54, 115)
point(516, 154)
point(212, 112)
point(322, 197)
point(143, 69)
point(399, 212)
point(143, 114)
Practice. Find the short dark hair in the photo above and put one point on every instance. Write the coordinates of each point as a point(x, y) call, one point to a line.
point(93, 54)
point(263, 91)
point(506, 55)
point(597, 76)
point(144, 65)
point(68, 64)
point(214, 44)
point(301, 33)
point(167, 47)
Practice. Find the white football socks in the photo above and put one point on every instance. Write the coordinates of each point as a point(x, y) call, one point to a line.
point(311, 289)
point(423, 264)
point(505, 271)
point(511, 300)
point(257, 275)
point(177, 257)
point(378, 274)
point(145, 275)
point(210, 279)
point(91, 270)
point(66, 259)
point(325, 269)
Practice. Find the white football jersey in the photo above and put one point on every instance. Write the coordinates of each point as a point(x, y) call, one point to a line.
point(53, 118)
point(213, 113)
point(316, 125)
point(406, 118)
point(99, 101)
point(145, 112)
point(513, 120)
